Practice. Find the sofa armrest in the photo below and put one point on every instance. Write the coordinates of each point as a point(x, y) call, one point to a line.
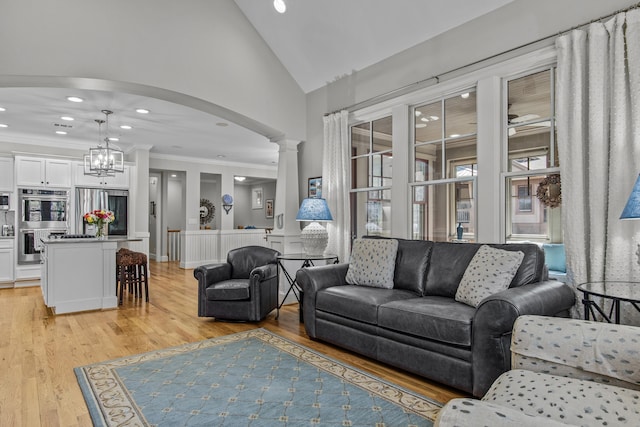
point(596, 351)
point(470, 412)
point(208, 275)
point(494, 319)
point(265, 272)
point(314, 279)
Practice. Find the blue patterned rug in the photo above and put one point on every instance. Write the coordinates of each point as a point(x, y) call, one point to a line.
point(253, 378)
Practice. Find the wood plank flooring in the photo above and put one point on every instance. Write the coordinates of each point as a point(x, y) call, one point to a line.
point(38, 350)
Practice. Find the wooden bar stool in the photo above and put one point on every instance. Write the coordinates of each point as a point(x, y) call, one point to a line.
point(131, 273)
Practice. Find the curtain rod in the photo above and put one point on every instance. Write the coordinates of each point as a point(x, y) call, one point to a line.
point(422, 83)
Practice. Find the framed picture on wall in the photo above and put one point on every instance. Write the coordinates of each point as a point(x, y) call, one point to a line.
point(315, 188)
point(256, 198)
point(268, 208)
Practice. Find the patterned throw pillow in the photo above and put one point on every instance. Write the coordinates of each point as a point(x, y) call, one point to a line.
point(490, 271)
point(373, 262)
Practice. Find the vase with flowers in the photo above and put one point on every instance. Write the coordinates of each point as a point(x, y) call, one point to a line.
point(101, 219)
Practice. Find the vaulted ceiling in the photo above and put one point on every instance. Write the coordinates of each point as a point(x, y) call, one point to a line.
point(317, 42)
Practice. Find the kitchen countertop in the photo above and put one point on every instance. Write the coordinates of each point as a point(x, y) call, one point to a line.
point(92, 240)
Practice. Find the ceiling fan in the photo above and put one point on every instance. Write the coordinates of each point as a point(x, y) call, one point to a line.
point(514, 119)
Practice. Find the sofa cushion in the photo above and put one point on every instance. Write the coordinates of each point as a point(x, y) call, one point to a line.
point(372, 262)
point(447, 265)
point(412, 262)
point(436, 318)
point(491, 270)
point(450, 260)
point(357, 302)
point(229, 290)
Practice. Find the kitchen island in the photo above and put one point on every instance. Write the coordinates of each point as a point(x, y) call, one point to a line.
point(79, 274)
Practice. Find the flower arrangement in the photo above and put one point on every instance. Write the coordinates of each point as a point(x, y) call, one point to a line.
point(100, 218)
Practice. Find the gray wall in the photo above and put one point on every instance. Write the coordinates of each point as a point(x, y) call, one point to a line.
point(243, 212)
point(516, 24)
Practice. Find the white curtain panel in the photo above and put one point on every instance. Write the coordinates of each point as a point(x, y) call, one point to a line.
point(598, 122)
point(336, 183)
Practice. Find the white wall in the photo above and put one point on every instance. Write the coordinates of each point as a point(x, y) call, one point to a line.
point(175, 204)
point(205, 49)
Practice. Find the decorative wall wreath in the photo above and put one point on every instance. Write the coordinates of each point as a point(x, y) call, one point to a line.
point(207, 211)
point(550, 191)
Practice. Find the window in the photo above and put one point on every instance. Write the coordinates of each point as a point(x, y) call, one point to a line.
point(524, 198)
point(445, 167)
point(532, 155)
point(371, 178)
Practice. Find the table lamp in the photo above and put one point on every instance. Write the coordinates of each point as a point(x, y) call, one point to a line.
point(632, 208)
point(314, 236)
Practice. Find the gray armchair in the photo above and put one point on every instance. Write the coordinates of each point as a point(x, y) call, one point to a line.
point(244, 288)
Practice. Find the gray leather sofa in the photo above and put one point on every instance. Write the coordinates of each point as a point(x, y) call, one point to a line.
point(418, 325)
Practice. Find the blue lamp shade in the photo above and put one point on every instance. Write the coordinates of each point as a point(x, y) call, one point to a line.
point(632, 208)
point(314, 210)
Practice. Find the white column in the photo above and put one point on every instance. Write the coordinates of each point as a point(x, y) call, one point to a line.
point(286, 233)
point(139, 198)
point(286, 228)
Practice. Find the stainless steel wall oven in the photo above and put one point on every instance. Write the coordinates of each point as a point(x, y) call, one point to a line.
point(42, 212)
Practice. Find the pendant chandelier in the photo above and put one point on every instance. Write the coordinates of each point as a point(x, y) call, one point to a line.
point(103, 160)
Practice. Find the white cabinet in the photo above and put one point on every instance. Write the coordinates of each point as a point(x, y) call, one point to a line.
point(7, 261)
point(6, 174)
point(39, 172)
point(121, 180)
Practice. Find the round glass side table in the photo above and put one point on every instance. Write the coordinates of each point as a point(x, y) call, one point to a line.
point(617, 292)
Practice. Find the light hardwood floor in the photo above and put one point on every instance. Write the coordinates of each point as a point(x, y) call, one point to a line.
point(38, 350)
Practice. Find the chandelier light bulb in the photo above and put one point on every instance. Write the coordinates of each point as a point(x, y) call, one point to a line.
point(280, 6)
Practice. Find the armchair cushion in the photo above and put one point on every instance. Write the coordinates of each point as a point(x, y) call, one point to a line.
point(607, 350)
point(572, 401)
point(467, 412)
point(229, 290)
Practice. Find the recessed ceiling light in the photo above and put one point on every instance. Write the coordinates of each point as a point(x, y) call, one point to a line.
point(239, 178)
point(222, 124)
point(465, 95)
point(173, 175)
point(61, 132)
point(67, 118)
point(2, 125)
point(142, 111)
point(3, 109)
point(421, 125)
point(127, 127)
point(114, 139)
point(280, 6)
point(74, 99)
point(454, 135)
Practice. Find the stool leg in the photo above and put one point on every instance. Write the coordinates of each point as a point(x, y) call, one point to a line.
point(146, 282)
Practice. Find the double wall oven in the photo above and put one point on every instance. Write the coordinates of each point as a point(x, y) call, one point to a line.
point(42, 213)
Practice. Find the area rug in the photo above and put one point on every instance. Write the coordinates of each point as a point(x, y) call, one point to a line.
point(253, 378)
